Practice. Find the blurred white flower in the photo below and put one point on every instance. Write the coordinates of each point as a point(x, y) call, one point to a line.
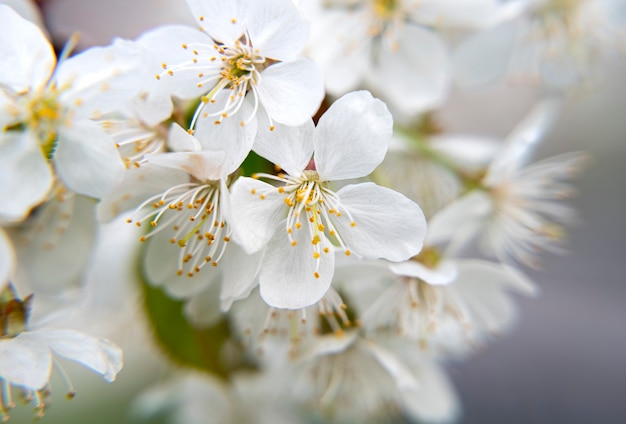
point(518, 210)
point(430, 168)
point(449, 306)
point(557, 43)
point(348, 378)
point(198, 399)
point(391, 46)
point(349, 141)
point(45, 111)
point(27, 354)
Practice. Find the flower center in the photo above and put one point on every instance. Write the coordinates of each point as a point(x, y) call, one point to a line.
point(311, 206)
point(43, 114)
point(230, 71)
point(134, 139)
point(192, 213)
point(385, 9)
point(14, 312)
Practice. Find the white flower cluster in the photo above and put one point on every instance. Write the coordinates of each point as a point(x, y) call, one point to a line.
point(267, 193)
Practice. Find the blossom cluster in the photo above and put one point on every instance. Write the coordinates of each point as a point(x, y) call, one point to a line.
point(288, 181)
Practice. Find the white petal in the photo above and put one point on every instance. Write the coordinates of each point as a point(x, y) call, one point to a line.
point(27, 57)
point(203, 309)
point(475, 14)
point(255, 219)
point(484, 58)
point(166, 43)
point(470, 153)
point(240, 271)
point(460, 219)
point(342, 48)
point(444, 274)
point(222, 20)
point(101, 80)
point(180, 140)
point(484, 272)
point(87, 160)
point(414, 77)
point(100, 355)
point(291, 148)
point(287, 277)
point(204, 165)
point(521, 141)
point(352, 137)
point(230, 136)
point(291, 92)
point(388, 225)
point(7, 257)
point(436, 400)
point(138, 185)
point(26, 361)
point(27, 9)
point(25, 174)
point(277, 28)
point(402, 376)
point(54, 258)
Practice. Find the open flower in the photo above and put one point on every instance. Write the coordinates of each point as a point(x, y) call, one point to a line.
point(557, 43)
point(391, 46)
point(27, 355)
point(183, 194)
point(243, 58)
point(302, 219)
point(45, 113)
point(519, 209)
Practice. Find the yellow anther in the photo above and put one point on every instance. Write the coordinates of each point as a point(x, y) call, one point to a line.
point(348, 253)
point(353, 224)
point(316, 274)
point(294, 242)
point(316, 255)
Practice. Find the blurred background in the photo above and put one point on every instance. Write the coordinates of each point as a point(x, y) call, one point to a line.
point(565, 361)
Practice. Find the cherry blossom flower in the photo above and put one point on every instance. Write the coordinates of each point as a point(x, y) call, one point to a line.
point(27, 354)
point(184, 196)
point(45, 111)
point(519, 209)
point(556, 43)
point(299, 220)
point(449, 306)
point(391, 46)
point(245, 58)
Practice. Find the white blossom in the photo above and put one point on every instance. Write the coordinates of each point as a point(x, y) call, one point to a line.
point(244, 59)
point(519, 208)
point(28, 354)
point(299, 220)
point(45, 111)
